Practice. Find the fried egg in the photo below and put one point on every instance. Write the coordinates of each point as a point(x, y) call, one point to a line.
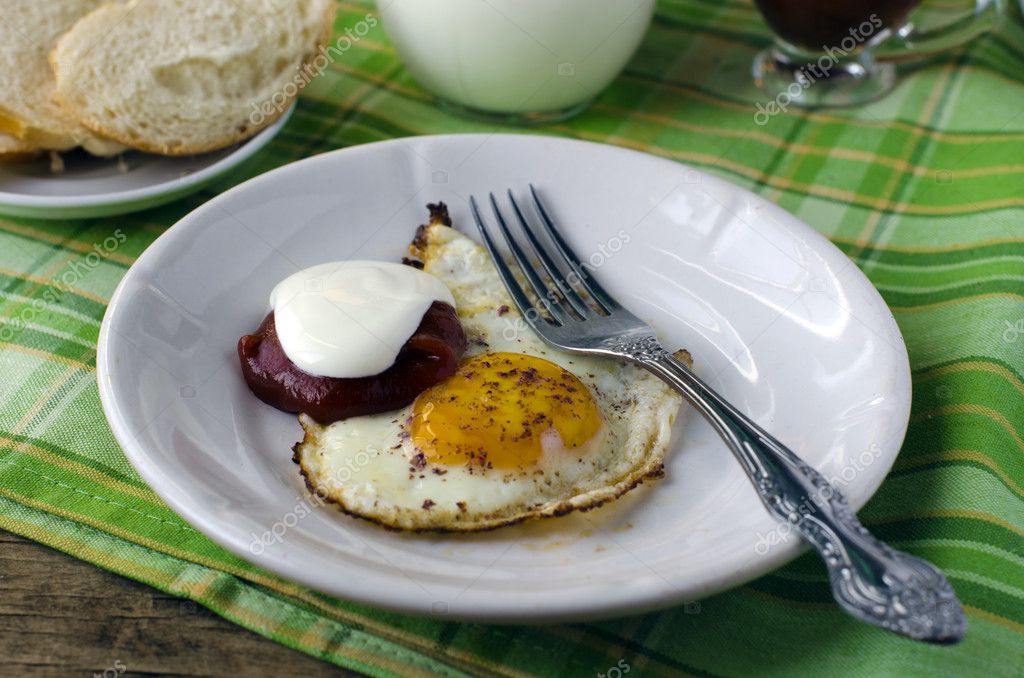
point(520, 431)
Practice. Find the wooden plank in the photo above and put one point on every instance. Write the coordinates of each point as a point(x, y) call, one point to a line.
point(60, 616)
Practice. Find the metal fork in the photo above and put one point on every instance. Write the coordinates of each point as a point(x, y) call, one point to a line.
point(869, 579)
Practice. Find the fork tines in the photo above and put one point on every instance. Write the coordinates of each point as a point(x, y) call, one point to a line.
point(562, 286)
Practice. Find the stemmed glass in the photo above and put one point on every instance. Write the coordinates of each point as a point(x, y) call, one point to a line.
point(843, 52)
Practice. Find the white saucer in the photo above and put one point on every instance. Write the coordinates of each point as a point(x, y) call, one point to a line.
point(99, 187)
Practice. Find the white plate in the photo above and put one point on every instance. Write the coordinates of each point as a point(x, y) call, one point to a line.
point(99, 187)
point(777, 318)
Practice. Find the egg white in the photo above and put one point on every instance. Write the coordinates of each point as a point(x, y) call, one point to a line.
point(368, 466)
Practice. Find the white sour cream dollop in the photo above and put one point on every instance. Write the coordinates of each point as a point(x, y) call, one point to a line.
point(350, 318)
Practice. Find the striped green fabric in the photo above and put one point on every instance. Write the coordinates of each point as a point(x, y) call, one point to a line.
point(924, 190)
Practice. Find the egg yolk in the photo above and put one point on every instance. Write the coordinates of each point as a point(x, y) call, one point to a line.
point(497, 410)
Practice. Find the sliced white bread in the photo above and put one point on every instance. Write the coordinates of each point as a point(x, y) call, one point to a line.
point(179, 77)
point(13, 149)
point(29, 110)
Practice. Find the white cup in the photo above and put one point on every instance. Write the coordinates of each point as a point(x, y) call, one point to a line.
point(517, 60)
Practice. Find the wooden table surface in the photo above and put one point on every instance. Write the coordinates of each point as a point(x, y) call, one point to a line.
point(62, 617)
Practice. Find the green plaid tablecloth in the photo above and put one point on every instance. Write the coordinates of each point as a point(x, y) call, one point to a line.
point(923, 190)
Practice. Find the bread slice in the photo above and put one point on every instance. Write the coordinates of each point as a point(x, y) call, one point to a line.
point(179, 77)
point(13, 149)
point(29, 110)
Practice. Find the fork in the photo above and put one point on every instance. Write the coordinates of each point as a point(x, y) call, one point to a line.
point(869, 579)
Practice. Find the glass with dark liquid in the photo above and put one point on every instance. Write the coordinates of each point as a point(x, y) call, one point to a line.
point(842, 52)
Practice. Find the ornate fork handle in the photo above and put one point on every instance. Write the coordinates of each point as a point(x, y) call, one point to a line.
point(872, 581)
